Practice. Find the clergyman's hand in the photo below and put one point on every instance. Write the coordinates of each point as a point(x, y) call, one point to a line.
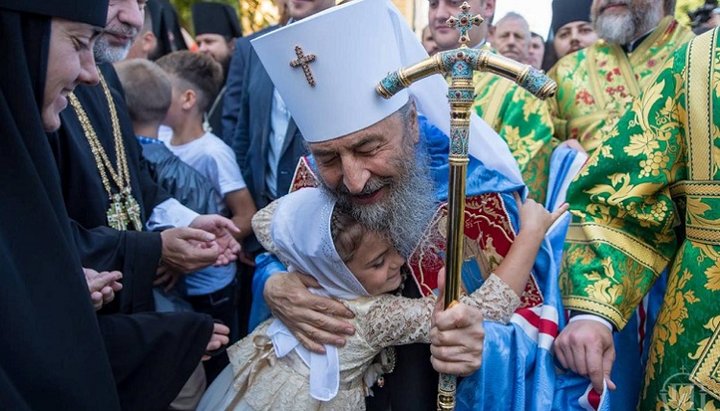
point(587, 348)
point(102, 286)
point(456, 336)
point(187, 250)
point(225, 231)
point(314, 320)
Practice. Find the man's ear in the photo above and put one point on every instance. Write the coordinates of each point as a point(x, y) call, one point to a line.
point(149, 42)
point(231, 44)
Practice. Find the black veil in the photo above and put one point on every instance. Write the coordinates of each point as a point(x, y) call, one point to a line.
point(51, 353)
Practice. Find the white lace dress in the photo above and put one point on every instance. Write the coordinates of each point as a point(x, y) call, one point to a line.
point(257, 380)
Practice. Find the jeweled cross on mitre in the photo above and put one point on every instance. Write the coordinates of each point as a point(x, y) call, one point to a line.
point(304, 62)
point(464, 22)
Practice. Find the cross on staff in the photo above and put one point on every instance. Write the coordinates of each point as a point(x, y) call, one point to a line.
point(464, 22)
point(304, 62)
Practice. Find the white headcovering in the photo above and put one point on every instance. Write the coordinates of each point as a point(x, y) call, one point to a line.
point(301, 231)
point(355, 45)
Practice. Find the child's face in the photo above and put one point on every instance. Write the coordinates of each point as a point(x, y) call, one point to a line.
point(376, 264)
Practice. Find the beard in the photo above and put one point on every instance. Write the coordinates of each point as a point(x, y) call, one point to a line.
point(105, 52)
point(406, 209)
point(624, 28)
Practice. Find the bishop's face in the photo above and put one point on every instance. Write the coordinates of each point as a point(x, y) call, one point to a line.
point(362, 166)
point(375, 175)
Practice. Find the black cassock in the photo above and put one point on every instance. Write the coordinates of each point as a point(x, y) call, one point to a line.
point(151, 354)
point(134, 253)
point(52, 356)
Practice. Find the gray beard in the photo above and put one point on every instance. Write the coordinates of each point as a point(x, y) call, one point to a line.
point(626, 28)
point(105, 53)
point(404, 214)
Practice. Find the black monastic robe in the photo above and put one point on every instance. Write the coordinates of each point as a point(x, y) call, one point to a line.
point(134, 253)
point(151, 354)
point(52, 356)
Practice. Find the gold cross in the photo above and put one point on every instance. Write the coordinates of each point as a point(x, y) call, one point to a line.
point(132, 210)
point(117, 219)
point(464, 22)
point(304, 62)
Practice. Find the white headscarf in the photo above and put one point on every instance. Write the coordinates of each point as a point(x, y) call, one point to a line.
point(301, 232)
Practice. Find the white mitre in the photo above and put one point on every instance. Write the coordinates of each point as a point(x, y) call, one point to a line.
point(352, 47)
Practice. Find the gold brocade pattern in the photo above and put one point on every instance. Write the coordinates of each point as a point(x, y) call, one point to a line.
point(651, 199)
point(598, 84)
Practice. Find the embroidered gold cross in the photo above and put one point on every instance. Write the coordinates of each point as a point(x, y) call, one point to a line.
point(464, 22)
point(304, 62)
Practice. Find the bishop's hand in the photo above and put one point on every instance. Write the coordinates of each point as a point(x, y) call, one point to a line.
point(314, 320)
point(456, 336)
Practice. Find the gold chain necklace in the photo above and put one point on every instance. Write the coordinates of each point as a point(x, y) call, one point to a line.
point(124, 209)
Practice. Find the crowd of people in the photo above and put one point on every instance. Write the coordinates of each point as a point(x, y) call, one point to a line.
point(251, 226)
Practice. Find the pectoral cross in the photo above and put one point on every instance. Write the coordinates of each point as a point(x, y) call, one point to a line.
point(304, 62)
point(464, 22)
point(132, 210)
point(116, 217)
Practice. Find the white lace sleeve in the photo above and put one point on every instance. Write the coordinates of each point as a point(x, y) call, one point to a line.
point(393, 320)
point(261, 223)
point(495, 299)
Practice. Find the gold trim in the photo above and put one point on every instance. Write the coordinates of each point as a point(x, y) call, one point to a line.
point(588, 305)
point(705, 235)
point(627, 244)
point(705, 373)
point(699, 106)
point(708, 188)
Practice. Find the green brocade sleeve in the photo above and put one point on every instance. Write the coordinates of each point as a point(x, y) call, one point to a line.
point(524, 122)
point(622, 236)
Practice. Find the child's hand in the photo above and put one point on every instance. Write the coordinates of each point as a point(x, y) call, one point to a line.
point(535, 219)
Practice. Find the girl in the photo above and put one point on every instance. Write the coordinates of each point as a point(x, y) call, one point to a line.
point(272, 371)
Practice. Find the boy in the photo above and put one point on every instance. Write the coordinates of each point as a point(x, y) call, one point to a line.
point(148, 93)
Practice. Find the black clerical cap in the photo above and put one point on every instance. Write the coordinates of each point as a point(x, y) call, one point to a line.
point(215, 18)
point(567, 11)
point(92, 12)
